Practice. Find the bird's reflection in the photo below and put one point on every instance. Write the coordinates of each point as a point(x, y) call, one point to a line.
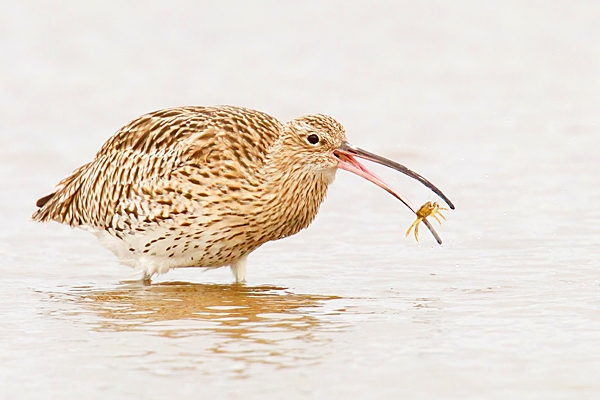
point(263, 323)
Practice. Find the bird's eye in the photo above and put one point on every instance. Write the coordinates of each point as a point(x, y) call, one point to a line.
point(313, 139)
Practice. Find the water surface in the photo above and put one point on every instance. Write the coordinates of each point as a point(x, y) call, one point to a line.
point(496, 104)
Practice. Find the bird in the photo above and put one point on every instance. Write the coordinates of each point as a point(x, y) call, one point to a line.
point(205, 186)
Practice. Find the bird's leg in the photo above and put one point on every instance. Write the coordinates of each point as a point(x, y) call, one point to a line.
point(146, 279)
point(238, 268)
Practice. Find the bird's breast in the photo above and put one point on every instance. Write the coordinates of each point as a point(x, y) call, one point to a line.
point(292, 203)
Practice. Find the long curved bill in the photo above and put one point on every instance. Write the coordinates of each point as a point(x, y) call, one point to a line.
point(346, 154)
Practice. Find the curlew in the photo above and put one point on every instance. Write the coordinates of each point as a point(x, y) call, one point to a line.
point(206, 186)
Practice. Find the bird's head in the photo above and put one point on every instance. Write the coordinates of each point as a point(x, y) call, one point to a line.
point(311, 140)
point(318, 143)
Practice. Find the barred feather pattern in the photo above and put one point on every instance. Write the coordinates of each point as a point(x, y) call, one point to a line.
point(198, 186)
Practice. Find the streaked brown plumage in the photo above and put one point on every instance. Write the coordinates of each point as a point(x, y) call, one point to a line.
point(204, 186)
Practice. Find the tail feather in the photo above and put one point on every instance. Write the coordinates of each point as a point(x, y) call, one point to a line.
point(42, 214)
point(54, 206)
point(42, 201)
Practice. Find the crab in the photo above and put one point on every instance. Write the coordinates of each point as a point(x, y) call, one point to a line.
point(429, 209)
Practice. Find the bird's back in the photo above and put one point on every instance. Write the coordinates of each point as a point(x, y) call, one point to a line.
point(210, 147)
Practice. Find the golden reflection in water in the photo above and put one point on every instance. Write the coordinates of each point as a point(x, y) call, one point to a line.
point(265, 324)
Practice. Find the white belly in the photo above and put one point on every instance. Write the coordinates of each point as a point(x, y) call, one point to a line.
point(160, 249)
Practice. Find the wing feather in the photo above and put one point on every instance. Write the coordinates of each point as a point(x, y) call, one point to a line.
point(150, 149)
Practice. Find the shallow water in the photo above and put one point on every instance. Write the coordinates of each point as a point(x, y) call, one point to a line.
point(497, 105)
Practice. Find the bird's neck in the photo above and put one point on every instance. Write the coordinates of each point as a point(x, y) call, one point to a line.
point(290, 196)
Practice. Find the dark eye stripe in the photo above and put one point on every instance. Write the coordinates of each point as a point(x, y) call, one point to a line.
point(312, 139)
